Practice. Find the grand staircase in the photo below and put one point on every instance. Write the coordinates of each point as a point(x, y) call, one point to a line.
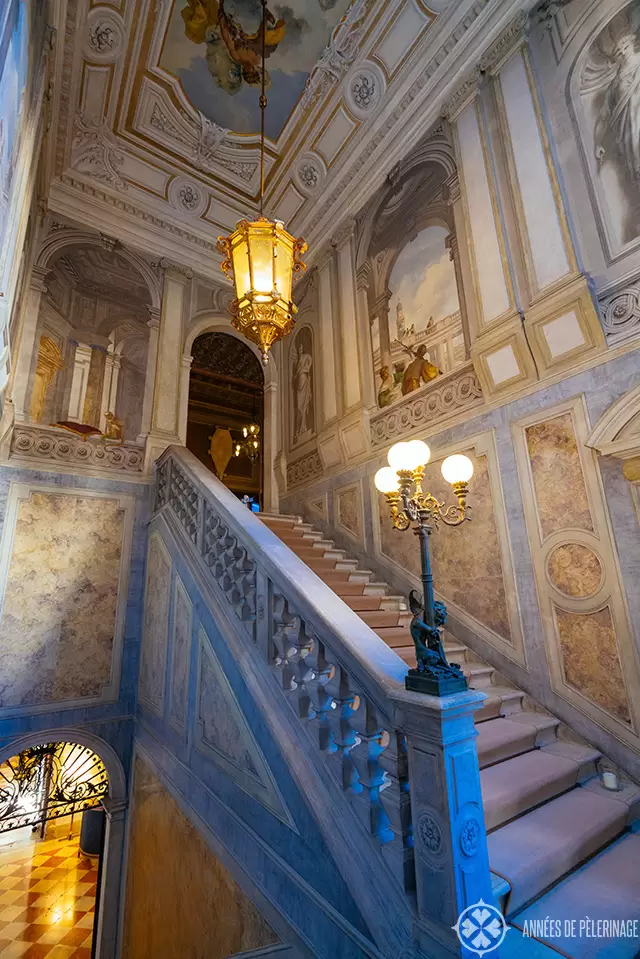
point(560, 844)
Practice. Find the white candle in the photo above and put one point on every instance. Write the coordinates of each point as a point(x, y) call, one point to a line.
point(609, 780)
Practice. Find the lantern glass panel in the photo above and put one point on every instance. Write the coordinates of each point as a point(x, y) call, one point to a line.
point(261, 246)
point(240, 261)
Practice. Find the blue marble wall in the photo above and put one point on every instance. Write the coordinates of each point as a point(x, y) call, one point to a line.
point(209, 743)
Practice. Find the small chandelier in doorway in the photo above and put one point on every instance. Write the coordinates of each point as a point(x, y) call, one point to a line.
point(250, 444)
point(261, 258)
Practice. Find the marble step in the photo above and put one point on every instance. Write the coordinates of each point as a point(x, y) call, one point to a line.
point(478, 676)
point(515, 786)
point(346, 588)
point(500, 739)
point(370, 603)
point(321, 564)
point(607, 887)
point(377, 618)
point(500, 701)
point(321, 549)
point(540, 847)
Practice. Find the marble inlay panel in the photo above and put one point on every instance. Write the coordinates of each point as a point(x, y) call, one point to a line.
point(59, 616)
point(467, 562)
point(181, 648)
point(181, 901)
point(561, 493)
point(350, 510)
point(591, 660)
point(155, 631)
point(574, 570)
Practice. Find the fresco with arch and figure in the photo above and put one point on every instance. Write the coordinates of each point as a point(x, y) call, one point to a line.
point(421, 336)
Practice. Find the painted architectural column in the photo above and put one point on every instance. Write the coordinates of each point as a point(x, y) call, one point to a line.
point(363, 280)
point(500, 352)
point(381, 311)
point(451, 242)
point(457, 244)
point(165, 414)
point(79, 382)
point(349, 340)
point(27, 354)
point(451, 858)
point(185, 376)
point(109, 387)
point(150, 375)
point(560, 315)
point(106, 934)
point(329, 409)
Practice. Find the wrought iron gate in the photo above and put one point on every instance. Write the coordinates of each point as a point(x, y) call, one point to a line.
point(49, 781)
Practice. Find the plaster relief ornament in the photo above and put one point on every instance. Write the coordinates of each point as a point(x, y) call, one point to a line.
point(95, 151)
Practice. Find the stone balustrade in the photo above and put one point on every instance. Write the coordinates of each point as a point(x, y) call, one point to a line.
point(406, 763)
point(50, 445)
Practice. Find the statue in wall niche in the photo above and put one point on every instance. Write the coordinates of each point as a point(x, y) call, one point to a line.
point(420, 370)
point(114, 430)
point(302, 388)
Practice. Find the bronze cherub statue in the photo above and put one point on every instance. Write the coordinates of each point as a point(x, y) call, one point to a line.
point(434, 674)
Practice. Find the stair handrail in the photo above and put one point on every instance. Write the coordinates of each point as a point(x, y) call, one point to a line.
point(407, 761)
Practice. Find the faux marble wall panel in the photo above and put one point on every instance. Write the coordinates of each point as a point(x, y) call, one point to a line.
point(59, 617)
point(467, 563)
point(180, 900)
point(156, 625)
point(561, 494)
point(349, 509)
point(591, 659)
point(180, 649)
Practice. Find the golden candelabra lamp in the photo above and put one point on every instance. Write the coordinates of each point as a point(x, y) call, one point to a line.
point(261, 258)
point(411, 507)
point(250, 444)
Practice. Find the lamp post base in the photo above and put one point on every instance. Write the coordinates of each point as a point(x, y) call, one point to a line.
point(421, 682)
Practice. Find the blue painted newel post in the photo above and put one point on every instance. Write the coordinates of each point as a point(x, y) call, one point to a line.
point(451, 859)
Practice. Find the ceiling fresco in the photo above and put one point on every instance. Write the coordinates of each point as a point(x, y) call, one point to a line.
point(213, 48)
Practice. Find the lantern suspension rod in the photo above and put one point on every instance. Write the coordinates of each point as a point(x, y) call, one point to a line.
point(263, 103)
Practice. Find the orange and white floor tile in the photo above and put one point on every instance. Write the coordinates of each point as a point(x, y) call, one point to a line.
point(47, 899)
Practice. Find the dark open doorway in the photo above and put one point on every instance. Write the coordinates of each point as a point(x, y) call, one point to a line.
point(226, 399)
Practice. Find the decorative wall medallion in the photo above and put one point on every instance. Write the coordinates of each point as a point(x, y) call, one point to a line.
point(430, 833)
point(187, 197)
point(574, 570)
point(364, 89)
point(470, 836)
point(105, 36)
point(310, 173)
point(620, 313)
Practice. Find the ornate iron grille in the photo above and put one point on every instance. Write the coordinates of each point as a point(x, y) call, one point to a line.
point(49, 781)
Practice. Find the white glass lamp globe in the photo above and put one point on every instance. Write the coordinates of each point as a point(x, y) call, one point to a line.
point(457, 469)
point(399, 457)
point(386, 480)
point(420, 452)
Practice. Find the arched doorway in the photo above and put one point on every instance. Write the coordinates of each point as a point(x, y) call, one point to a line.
point(60, 892)
point(225, 415)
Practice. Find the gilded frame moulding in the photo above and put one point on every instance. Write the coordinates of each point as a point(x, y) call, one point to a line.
point(19, 492)
point(609, 593)
point(482, 444)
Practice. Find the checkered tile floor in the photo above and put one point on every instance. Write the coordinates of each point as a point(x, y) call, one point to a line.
point(47, 901)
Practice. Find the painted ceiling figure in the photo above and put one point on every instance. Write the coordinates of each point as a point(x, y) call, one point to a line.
point(232, 54)
point(620, 112)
